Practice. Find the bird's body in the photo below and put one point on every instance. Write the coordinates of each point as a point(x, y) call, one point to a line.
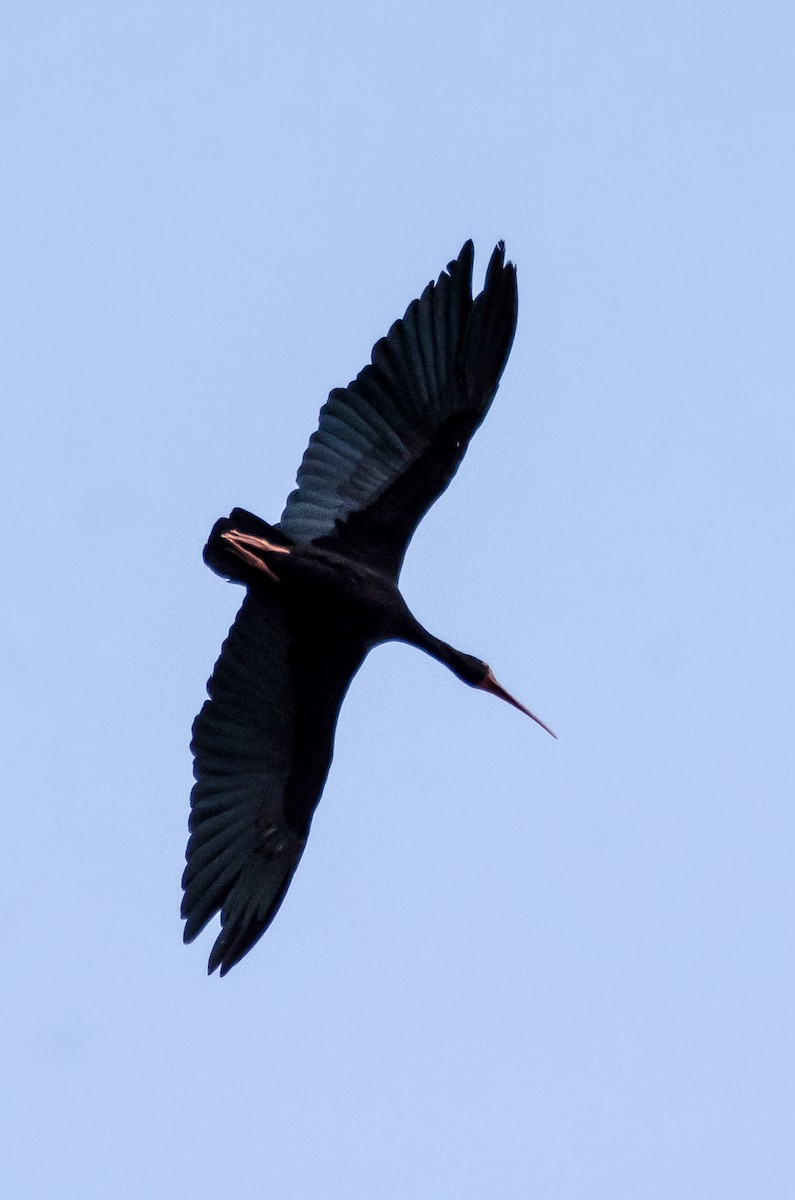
point(327, 591)
point(322, 591)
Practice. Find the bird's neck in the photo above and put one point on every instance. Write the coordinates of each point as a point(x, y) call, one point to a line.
point(447, 655)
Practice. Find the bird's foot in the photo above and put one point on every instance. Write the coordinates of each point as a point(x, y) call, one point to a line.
point(245, 545)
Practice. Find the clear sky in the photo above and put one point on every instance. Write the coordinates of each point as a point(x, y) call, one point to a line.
point(507, 966)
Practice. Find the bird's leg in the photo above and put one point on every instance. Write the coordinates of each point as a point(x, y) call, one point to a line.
point(244, 545)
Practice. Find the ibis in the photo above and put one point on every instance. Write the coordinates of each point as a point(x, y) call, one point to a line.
point(321, 590)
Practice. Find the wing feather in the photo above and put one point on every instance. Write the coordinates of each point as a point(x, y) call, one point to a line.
point(262, 745)
point(390, 442)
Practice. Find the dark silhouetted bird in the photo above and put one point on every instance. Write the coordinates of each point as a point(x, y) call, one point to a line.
point(321, 590)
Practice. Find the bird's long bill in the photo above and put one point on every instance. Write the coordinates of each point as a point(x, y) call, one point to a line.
point(490, 684)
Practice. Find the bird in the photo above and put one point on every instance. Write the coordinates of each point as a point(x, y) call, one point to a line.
point(322, 591)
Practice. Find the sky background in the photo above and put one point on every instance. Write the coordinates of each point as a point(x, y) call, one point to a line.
point(507, 966)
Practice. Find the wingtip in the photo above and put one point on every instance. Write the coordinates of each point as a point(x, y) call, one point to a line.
point(193, 926)
point(224, 956)
point(498, 266)
point(500, 249)
point(465, 261)
point(216, 958)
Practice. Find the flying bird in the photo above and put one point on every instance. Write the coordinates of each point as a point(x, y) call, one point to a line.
point(322, 590)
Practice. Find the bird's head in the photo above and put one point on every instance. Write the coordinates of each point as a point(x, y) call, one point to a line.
point(480, 675)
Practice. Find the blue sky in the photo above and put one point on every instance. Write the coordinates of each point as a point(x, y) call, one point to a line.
point(507, 966)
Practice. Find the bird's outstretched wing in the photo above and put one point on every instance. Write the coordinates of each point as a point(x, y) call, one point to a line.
point(262, 745)
point(389, 443)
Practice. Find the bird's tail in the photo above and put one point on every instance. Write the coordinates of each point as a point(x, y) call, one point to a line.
point(217, 553)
